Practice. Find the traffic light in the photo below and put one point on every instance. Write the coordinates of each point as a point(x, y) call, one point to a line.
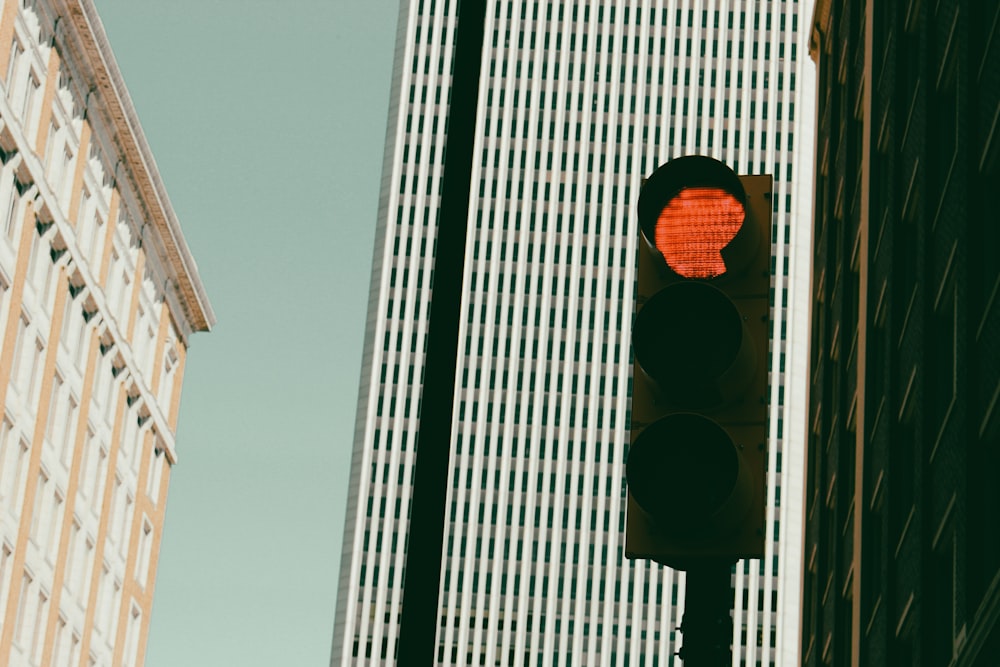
point(696, 468)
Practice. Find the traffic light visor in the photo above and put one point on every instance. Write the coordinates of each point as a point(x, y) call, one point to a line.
point(692, 212)
point(690, 341)
point(687, 475)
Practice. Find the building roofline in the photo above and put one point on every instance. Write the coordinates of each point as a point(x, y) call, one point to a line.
point(97, 56)
point(819, 25)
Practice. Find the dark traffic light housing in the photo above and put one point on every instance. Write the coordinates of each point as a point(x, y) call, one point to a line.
point(696, 469)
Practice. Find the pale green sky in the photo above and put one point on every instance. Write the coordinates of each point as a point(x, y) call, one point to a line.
point(267, 121)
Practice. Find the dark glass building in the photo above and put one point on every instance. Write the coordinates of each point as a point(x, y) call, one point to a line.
point(902, 527)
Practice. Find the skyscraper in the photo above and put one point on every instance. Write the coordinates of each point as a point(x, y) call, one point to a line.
point(99, 297)
point(902, 559)
point(577, 102)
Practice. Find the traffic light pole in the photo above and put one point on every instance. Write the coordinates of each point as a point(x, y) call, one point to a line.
point(425, 536)
point(707, 624)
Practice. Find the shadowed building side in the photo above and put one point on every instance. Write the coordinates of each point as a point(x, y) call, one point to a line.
point(902, 552)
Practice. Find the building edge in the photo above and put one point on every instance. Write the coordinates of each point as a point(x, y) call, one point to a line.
point(343, 606)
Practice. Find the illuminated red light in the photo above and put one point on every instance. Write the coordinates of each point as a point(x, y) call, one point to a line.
point(694, 226)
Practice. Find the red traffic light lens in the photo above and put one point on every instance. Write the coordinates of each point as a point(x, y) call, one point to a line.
point(694, 227)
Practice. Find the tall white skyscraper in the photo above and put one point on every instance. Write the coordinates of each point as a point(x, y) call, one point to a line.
point(578, 101)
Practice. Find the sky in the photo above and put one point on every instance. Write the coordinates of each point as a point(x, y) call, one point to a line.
point(267, 121)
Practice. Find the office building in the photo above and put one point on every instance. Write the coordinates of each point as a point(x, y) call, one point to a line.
point(578, 101)
point(98, 299)
point(902, 560)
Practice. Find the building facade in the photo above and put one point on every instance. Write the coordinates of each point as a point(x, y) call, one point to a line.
point(578, 101)
point(902, 558)
point(98, 299)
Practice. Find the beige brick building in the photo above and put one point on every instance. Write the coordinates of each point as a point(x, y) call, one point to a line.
point(99, 296)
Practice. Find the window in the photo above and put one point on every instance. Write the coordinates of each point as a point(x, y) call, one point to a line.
point(41, 490)
point(5, 562)
point(28, 103)
point(145, 552)
point(60, 647)
point(38, 627)
point(53, 524)
point(95, 477)
point(13, 207)
point(23, 611)
point(15, 475)
point(156, 465)
point(16, 51)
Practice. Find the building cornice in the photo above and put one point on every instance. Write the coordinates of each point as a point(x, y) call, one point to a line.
point(85, 35)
